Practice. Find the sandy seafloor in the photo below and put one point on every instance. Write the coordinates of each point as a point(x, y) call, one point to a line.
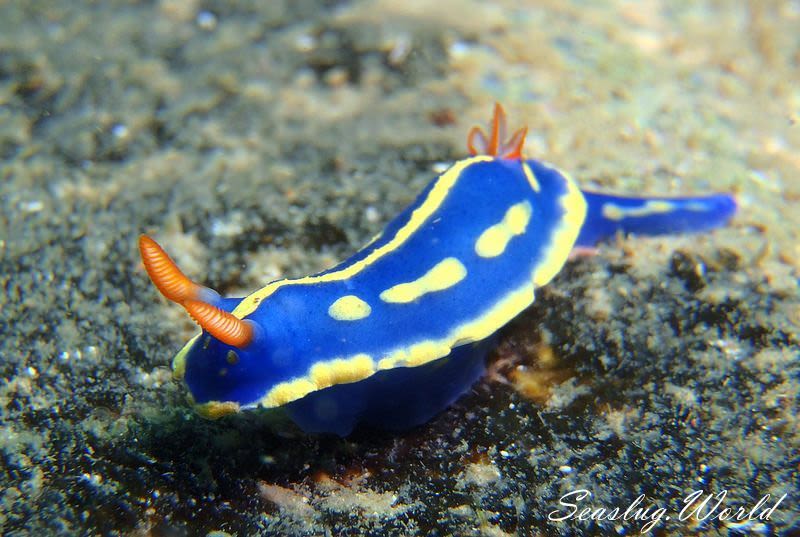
point(257, 140)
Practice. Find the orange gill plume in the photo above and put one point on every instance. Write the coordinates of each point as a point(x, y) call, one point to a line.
point(174, 285)
point(494, 145)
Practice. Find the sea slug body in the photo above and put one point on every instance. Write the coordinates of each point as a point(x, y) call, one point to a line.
point(391, 336)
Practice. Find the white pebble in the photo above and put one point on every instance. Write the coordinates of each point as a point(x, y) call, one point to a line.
point(206, 20)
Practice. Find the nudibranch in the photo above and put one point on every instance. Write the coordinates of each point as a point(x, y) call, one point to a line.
point(394, 334)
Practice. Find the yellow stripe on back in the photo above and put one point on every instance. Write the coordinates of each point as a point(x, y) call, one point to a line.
point(495, 239)
point(531, 177)
point(615, 212)
point(443, 275)
point(349, 308)
point(434, 200)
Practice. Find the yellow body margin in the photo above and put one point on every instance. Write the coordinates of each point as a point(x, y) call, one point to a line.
point(179, 362)
point(574, 205)
point(213, 410)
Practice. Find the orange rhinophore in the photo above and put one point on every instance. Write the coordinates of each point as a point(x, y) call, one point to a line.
point(165, 274)
point(174, 285)
point(479, 144)
point(219, 323)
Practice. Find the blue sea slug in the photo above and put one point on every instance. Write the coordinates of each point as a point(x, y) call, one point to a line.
point(394, 334)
